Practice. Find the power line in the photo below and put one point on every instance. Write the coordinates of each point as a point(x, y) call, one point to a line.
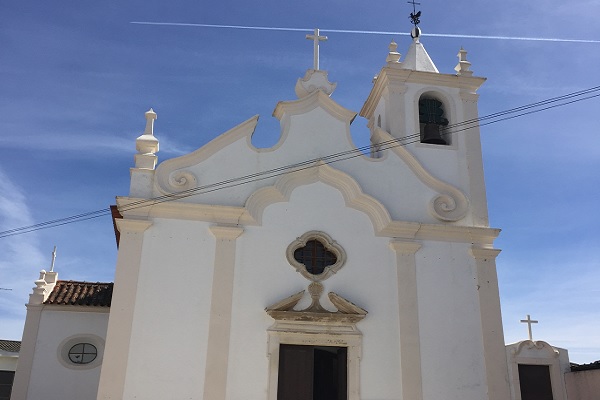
point(362, 32)
point(516, 112)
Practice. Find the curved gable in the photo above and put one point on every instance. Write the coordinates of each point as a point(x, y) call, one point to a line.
point(352, 193)
point(308, 103)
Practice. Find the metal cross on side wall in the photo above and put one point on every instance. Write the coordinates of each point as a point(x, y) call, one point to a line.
point(529, 321)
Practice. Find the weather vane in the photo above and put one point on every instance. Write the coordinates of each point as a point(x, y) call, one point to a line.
point(415, 16)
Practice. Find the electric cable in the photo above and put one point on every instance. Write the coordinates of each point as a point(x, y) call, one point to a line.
point(449, 130)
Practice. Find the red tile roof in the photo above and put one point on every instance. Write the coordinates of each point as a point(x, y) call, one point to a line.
point(81, 294)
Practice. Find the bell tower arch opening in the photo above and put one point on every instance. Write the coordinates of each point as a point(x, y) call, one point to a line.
point(433, 120)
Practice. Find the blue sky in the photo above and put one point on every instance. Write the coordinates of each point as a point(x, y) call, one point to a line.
point(77, 76)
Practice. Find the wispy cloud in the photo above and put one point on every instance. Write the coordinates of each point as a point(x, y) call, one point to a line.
point(20, 258)
point(69, 142)
point(562, 295)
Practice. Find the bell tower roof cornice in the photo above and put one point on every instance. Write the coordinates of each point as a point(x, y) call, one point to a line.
point(400, 76)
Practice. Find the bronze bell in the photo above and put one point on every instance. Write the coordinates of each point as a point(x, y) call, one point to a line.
point(431, 134)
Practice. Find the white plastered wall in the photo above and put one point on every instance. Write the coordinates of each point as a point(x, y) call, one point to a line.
point(451, 339)
point(53, 379)
point(170, 326)
point(263, 277)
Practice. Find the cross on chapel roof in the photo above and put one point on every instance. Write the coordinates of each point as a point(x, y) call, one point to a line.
point(529, 321)
point(53, 259)
point(316, 39)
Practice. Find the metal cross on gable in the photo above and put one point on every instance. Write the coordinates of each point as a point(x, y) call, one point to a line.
point(316, 39)
point(529, 321)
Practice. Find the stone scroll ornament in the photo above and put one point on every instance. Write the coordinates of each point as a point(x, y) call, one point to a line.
point(450, 204)
point(177, 181)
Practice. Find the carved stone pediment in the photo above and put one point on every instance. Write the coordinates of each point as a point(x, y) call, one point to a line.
point(538, 346)
point(347, 312)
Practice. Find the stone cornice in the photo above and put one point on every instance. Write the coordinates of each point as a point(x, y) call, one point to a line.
point(71, 308)
point(388, 76)
point(323, 318)
point(226, 232)
point(403, 247)
point(132, 225)
point(239, 215)
point(480, 253)
point(310, 102)
point(131, 207)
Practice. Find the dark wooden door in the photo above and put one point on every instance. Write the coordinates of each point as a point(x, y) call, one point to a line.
point(312, 373)
point(535, 382)
point(6, 382)
point(295, 380)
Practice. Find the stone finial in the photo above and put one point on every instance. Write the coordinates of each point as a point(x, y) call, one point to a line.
point(393, 56)
point(315, 289)
point(43, 287)
point(415, 33)
point(314, 80)
point(462, 68)
point(150, 117)
point(147, 144)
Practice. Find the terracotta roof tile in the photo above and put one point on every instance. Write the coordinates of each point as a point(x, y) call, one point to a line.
point(13, 346)
point(76, 293)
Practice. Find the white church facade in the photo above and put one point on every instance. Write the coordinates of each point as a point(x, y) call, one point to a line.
point(305, 271)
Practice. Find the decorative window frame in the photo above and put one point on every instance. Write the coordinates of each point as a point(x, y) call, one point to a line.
point(315, 335)
point(316, 326)
point(68, 343)
point(330, 245)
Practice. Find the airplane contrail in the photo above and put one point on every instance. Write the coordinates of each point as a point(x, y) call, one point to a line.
point(447, 35)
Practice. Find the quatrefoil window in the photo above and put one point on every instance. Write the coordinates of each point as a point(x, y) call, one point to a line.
point(316, 256)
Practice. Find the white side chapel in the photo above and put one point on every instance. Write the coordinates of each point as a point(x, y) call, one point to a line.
point(305, 271)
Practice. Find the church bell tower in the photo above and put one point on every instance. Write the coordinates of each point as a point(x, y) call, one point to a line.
point(433, 116)
point(430, 120)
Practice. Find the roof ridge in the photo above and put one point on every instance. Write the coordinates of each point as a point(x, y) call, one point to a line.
point(87, 282)
point(81, 293)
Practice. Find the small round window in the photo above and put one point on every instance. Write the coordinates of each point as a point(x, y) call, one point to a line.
point(83, 353)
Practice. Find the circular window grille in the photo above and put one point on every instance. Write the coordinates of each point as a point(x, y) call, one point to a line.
point(83, 353)
point(316, 256)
